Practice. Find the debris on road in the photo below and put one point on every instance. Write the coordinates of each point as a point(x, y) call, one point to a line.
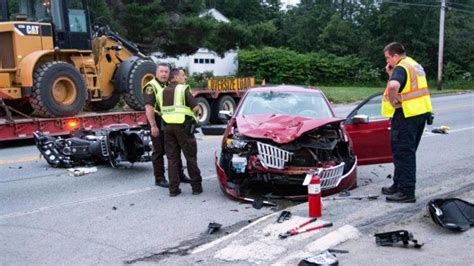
point(79, 171)
point(213, 227)
point(347, 195)
point(453, 213)
point(369, 197)
point(258, 203)
point(295, 230)
point(15, 167)
point(440, 130)
point(285, 215)
point(341, 251)
point(324, 258)
point(393, 237)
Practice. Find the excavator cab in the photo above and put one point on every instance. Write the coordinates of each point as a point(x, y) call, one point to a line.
point(69, 18)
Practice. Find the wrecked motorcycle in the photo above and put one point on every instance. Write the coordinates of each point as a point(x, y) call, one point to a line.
point(112, 145)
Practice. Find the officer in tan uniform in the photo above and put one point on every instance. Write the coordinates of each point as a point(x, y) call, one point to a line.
point(176, 106)
point(152, 89)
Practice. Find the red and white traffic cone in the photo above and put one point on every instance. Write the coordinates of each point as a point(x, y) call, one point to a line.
point(314, 196)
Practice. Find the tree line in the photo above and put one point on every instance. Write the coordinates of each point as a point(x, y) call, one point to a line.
point(355, 29)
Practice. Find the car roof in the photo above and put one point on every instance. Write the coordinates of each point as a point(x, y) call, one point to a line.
point(286, 88)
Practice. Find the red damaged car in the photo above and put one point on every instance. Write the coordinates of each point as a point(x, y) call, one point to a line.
point(279, 133)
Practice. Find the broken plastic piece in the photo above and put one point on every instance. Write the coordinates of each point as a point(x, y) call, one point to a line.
point(264, 202)
point(285, 215)
point(392, 238)
point(341, 251)
point(325, 258)
point(453, 214)
point(257, 204)
point(78, 171)
point(213, 227)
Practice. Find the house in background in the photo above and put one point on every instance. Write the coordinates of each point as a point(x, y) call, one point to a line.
point(204, 60)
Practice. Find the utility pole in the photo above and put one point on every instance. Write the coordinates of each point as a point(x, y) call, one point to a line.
point(441, 45)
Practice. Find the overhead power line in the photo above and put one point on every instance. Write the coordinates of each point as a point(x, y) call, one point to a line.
point(410, 4)
point(463, 5)
point(427, 5)
point(460, 10)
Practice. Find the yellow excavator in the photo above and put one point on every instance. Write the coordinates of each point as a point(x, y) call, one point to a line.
point(52, 65)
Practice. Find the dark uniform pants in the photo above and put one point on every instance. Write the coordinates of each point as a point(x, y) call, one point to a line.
point(177, 139)
point(405, 136)
point(157, 157)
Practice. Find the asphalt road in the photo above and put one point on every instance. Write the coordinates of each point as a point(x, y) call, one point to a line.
point(118, 215)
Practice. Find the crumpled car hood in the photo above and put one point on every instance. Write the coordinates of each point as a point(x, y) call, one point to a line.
point(279, 128)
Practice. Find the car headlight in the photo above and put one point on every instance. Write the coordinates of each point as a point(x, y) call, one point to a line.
point(236, 143)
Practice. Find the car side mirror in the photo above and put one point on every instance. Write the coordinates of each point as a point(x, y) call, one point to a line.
point(360, 119)
point(225, 114)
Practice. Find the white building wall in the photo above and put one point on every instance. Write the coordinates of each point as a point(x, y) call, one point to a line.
point(204, 61)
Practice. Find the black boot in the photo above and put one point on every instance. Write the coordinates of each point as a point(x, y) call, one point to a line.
point(175, 193)
point(389, 190)
point(184, 178)
point(163, 183)
point(399, 197)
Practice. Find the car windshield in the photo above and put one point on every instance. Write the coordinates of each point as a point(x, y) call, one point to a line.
point(309, 105)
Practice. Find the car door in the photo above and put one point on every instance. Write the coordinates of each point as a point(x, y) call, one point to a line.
point(369, 132)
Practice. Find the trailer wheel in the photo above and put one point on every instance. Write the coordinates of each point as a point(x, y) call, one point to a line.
point(105, 104)
point(204, 111)
point(58, 90)
point(224, 103)
point(141, 73)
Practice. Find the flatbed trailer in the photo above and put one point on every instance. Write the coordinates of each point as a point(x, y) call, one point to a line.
point(220, 94)
point(18, 127)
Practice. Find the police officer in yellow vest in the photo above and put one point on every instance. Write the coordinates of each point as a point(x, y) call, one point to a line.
point(177, 105)
point(150, 94)
point(407, 102)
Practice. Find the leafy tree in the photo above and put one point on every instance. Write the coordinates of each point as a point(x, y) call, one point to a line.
point(339, 37)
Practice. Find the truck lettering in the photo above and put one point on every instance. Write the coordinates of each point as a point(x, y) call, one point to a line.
point(230, 84)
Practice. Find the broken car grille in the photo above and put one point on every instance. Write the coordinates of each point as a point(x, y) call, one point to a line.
point(331, 177)
point(271, 156)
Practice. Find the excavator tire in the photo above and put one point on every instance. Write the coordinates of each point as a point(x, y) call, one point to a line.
point(140, 74)
point(105, 104)
point(58, 90)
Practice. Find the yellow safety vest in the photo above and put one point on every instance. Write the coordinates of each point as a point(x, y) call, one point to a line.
point(176, 113)
point(415, 96)
point(157, 89)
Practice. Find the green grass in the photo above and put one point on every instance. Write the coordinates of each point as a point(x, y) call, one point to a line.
point(348, 94)
point(354, 94)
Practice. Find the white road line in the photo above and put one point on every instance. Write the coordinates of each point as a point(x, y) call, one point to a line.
point(72, 203)
point(83, 201)
point(209, 245)
point(430, 134)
